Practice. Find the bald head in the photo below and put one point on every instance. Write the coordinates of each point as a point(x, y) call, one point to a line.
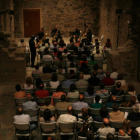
point(106, 121)
point(81, 97)
point(81, 76)
point(70, 109)
point(19, 110)
point(29, 97)
point(113, 98)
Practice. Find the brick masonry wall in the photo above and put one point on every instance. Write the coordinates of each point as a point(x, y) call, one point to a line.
point(66, 14)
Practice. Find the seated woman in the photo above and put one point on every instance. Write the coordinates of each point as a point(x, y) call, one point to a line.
point(38, 82)
point(73, 93)
point(65, 53)
point(92, 62)
point(54, 83)
point(90, 92)
point(86, 74)
point(103, 114)
point(28, 84)
point(108, 44)
point(55, 52)
point(62, 44)
point(131, 90)
point(126, 130)
point(47, 104)
point(84, 60)
point(96, 105)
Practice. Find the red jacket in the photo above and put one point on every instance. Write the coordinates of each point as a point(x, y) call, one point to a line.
point(108, 81)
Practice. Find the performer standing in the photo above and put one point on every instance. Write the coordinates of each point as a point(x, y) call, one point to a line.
point(56, 33)
point(33, 49)
point(77, 32)
point(40, 34)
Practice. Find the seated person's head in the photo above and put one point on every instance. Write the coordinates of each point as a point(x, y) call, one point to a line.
point(81, 97)
point(59, 88)
point(46, 51)
point(90, 135)
point(120, 76)
point(102, 85)
point(47, 115)
point(132, 100)
point(61, 58)
point(96, 40)
point(113, 98)
point(84, 66)
point(70, 109)
point(55, 50)
point(97, 51)
point(38, 82)
point(72, 65)
point(90, 90)
point(97, 47)
point(118, 85)
point(85, 49)
point(103, 111)
point(41, 86)
point(29, 97)
point(71, 58)
point(29, 81)
point(65, 51)
point(55, 44)
point(131, 88)
point(114, 69)
point(63, 98)
point(59, 54)
point(37, 67)
point(108, 40)
point(134, 135)
point(92, 57)
point(94, 74)
point(18, 87)
point(107, 74)
point(136, 108)
point(72, 88)
point(72, 72)
point(84, 112)
point(47, 101)
point(19, 110)
point(22, 40)
point(54, 77)
point(115, 107)
point(97, 98)
point(96, 67)
point(110, 136)
point(106, 122)
point(81, 76)
point(100, 71)
point(86, 71)
point(67, 76)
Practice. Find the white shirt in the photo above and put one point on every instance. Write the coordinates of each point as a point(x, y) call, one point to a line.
point(54, 84)
point(104, 131)
point(28, 87)
point(138, 129)
point(47, 57)
point(114, 75)
point(66, 118)
point(86, 77)
point(123, 82)
point(24, 118)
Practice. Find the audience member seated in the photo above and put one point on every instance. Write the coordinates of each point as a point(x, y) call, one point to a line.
point(53, 45)
point(72, 67)
point(84, 60)
point(48, 69)
point(57, 94)
point(28, 84)
point(75, 51)
point(54, 83)
point(36, 71)
point(113, 101)
point(62, 44)
point(58, 56)
point(96, 105)
point(120, 79)
point(102, 91)
point(70, 59)
point(78, 42)
point(72, 46)
point(47, 56)
point(90, 135)
point(61, 67)
point(65, 53)
point(117, 90)
point(131, 90)
point(98, 56)
point(110, 136)
point(100, 74)
point(137, 102)
point(73, 93)
point(86, 74)
point(83, 67)
point(19, 93)
point(116, 115)
point(72, 74)
point(107, 80)
point(80, 104)
point(81, 83)
point(85, 116)
point(47, 105)
point(60, 76)
point(106, 129)
point(114, 74)
point(55, 52)
point(95, 68)
point(92, 62)
point(108, 44)
point(89, 92)
point(103, 114)
point(84, 130)
point(68, 82)
point(23, 118)
point(79, 57)
point(94, 81)
point(47, 117)
point(135, 115)
point(131, 102)
point(63, 104)
point(38, 82)
point(134, 135)
point(125, 131)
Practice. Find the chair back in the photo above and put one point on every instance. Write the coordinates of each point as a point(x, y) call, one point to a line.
point(72, 100)
point(35, 76)
point(67, 127)
point(105, 98)
point(126, 109)
point(52, 112)
point(97, 124)
point(109, 88)
point(47, 62)
point(82, 138)
point(30, 91)
point(96, 88)
point(79, 124)
point(41, 100)
point(74, 80)
point(48, 126)
point(56, 100)
point(22, 126)
point(127, 97)
point(119, 98)
point(31, 112)
point(65, 89)
point(102, 138)
point(89, 100)
point(116, 125)
point(82, 90)
point(77, 111)
point(95, 112)
point(124, 137)
point(110, 109)
point(60, 111)
point(134, 124)
point(20, 100)
point(46, 82)
point(52, 90)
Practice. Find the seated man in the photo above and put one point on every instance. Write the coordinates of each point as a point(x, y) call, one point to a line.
point(47, 56)
point(63, 104)
point(114, 74)
point(94, 81)
point(113, 101)
point(103, 131)
point(96, 105)
point(19, 93)
point(68, 82)
point(81, 83)
point(107, 80)
point(117, 90)
point(36, 71)
point(23, 118)
point(102, 91)
point(80, 104)
point(116, 115)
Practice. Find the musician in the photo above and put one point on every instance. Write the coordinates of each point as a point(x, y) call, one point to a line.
point(73, 39)
point(77, 32)
point(88, 38)
point(40, 35)
point(33, 49)
point(56, 32)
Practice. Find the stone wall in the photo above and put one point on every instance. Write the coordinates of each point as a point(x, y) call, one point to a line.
point(66, 14)
point(108, 25)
